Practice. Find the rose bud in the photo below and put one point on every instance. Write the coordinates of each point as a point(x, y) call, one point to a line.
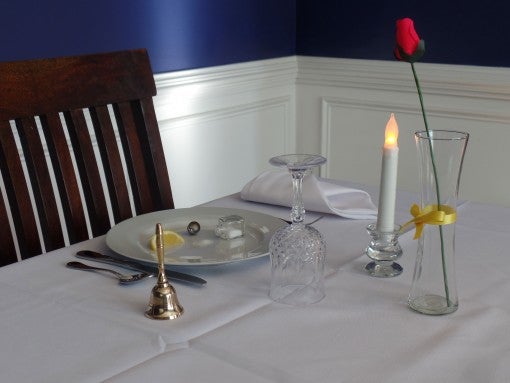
point(409, 47)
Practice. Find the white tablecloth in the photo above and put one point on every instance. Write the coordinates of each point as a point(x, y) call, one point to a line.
point(62, 325)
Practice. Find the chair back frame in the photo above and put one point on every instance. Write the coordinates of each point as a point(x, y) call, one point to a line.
point(80, 149)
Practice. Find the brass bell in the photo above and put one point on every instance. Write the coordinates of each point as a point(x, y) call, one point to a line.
point(163, 301)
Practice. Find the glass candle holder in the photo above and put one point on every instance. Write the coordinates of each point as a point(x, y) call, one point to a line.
point(383, 250)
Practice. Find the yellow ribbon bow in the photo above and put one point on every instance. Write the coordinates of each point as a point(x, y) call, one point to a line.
point(430, 215)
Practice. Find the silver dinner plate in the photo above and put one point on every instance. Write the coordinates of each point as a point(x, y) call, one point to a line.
point(130, 238)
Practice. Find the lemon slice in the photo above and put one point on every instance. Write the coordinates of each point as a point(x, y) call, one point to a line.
point(170, 239)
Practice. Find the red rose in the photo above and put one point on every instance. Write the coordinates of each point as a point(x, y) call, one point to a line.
point(409, 47)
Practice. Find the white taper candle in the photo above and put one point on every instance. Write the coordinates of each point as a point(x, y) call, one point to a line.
point(388, 188)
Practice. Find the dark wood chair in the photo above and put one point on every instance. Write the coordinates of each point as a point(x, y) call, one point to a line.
point(80, 150)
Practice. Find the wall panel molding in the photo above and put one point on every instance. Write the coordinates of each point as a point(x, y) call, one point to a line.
point(343, 107)
point(224, 120)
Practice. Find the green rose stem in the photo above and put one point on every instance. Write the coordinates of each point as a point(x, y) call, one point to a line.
point(445, 277)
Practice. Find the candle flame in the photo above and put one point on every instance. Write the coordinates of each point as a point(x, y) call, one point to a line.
point(391, 133)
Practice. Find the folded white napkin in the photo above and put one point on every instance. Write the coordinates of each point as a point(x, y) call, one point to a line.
point(275, 187)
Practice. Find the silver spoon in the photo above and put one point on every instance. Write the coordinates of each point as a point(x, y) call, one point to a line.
point(123, 279)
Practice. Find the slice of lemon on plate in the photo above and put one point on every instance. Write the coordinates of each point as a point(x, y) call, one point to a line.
point(170, 239)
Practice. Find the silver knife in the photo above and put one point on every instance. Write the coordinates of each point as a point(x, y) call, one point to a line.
point(133, 265)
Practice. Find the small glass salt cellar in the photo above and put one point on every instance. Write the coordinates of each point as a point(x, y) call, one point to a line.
point(230, 227)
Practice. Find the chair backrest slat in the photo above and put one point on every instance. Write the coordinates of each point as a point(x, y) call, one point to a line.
point(65, 178)
point(108, 147)
point(6, 235)
point(88, 170)
point(77, 125)
point(157, 170)
point(42, 188)
point(134, 148)
point(23, 215)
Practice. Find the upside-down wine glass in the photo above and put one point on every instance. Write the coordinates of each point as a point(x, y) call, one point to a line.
point(297, 251)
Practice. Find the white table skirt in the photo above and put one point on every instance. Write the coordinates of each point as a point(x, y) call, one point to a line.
point(61, 325)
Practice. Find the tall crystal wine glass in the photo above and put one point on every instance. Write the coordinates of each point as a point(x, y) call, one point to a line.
point(297, 251)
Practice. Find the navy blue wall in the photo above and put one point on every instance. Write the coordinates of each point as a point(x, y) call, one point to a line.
point(470, 32)
point(179, 34)
point(184, 34)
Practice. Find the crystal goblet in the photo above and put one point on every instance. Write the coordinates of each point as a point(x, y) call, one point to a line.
point(297, 251)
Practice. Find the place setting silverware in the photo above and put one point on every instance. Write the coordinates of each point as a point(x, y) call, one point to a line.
point(124, 279)
point(175, 276)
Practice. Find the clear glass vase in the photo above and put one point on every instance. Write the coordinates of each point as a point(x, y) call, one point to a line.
point(441, 154)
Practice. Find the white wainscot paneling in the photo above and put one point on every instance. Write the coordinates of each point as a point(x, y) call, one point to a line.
point(343, 107)
point(220, 126)
point(215, 154)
